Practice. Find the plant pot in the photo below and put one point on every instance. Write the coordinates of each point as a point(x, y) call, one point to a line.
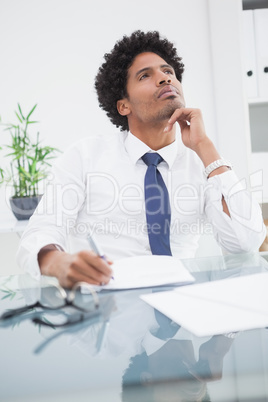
point(24, 207)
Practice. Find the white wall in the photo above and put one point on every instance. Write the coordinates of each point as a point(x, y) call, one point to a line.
point(231, 104)
point(51, 51)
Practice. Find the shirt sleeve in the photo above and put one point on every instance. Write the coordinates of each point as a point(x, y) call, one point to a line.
point(244, 229)
point(56, 212)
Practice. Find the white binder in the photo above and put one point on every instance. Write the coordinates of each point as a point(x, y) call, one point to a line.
point(261, 35)
point(249, 53)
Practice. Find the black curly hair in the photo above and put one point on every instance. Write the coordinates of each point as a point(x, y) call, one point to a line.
point(111, 80)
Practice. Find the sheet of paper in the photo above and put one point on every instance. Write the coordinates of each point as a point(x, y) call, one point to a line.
point(217, 307)
point(148, 271)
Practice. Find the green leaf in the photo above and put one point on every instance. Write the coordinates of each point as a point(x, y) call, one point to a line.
point(23, 118)
point(23, 171)
point(33, 167)
point(31, 112)
point(5, 291)
point(6, 296)
point(18, 117)
point(12, 296)
point(10, 127)
point(29, 160)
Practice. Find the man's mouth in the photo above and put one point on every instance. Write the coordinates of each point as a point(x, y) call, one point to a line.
point(167, 91)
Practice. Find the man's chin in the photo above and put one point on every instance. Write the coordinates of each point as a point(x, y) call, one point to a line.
point(168, 110)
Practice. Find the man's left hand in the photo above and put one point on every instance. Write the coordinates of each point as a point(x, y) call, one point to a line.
point(192, 127)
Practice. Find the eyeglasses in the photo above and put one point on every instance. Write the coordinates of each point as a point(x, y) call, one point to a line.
point(82, 297)
point(99, 322)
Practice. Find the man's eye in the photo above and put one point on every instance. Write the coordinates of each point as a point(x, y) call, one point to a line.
point(143, 76)
point(169, 72)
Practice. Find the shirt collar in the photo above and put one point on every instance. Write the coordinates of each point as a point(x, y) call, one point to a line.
point(136, 149)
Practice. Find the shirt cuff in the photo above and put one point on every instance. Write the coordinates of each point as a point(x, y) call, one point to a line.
point(28, 260)
point(225, 182)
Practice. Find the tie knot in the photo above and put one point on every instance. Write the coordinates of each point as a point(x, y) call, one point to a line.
point(152, 158)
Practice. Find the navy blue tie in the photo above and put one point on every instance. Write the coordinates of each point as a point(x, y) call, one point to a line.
point(157, 206)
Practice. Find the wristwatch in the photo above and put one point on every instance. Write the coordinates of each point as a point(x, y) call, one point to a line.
point(215, 165)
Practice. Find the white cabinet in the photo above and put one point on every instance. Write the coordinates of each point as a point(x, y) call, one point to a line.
point(258, 119)
point(260, 17)
point(249, 54)
point(255, 52)
point(242, 130)
point(255, 65)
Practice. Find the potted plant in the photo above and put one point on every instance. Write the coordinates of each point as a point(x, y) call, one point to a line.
point(29, 162)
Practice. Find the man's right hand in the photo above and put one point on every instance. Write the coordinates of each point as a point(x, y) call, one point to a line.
point(84, 266)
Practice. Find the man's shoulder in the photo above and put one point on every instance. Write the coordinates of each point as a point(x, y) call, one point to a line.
point(88, 151)
point(96, 144)
point(99, 140)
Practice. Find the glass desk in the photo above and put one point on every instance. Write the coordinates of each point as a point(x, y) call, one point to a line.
point(129, 352)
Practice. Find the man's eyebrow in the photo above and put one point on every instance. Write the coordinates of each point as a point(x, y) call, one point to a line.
point(142, 70)
point(167, 66)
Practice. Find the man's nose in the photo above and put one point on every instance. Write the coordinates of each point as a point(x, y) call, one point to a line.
point(163, 78)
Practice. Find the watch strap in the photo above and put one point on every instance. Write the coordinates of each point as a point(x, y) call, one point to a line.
point(215, 165)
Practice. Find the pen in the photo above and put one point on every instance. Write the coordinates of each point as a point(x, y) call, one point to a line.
point(96, 248)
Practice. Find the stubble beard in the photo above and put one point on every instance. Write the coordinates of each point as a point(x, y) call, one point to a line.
point(148, 115)
point(168, 109)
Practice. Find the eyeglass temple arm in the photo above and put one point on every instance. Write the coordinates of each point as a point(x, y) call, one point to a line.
point(89, 287)
point(65, 330)
point(12, 313)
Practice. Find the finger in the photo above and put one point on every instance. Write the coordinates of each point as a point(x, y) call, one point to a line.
point(74, 275)
point(76, 270)
point(179, 115)
point(186, 114)
point(100, 264)
point(171, 121)
point(110, 262)
point(89, 268)
point(183, 124)
point(82, 271)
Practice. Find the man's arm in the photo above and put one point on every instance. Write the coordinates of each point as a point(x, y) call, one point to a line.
point(243, 229)
point(194, 137)
point(84, 266)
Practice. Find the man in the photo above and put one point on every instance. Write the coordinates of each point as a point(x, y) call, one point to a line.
point(99, 182)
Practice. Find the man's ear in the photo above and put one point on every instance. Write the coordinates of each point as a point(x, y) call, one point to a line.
point(123, 107)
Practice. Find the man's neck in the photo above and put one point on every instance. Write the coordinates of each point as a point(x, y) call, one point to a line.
point(154, 137)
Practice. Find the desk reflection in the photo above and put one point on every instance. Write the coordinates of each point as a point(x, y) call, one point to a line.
point(162, 361)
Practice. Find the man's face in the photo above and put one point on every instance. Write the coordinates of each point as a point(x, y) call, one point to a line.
point(154, 92)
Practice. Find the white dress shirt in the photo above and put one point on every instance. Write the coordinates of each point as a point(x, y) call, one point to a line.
point(98, 187)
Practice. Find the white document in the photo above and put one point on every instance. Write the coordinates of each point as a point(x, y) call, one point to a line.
point(249, 53)
point(147, 271)
point(261, 35)
point(218, 307)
